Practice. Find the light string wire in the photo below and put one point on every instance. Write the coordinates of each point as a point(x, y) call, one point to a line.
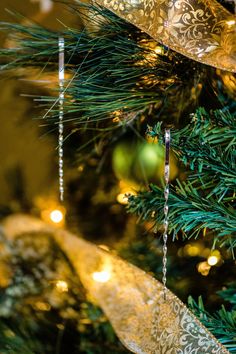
point(61, 77)
point(166, 208)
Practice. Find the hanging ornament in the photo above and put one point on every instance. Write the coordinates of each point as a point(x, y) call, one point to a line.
point(201, 30)
point(133, 301)
point(61, 78)
point(166, 208)
point(140, 163)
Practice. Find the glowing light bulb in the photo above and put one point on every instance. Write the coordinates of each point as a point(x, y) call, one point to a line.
point(126, 190)
point(122, 198)
point(203, 268)
point(101, 277)
point(192, 250)
point(56, 216)
point(159, 50)
point(212, 260)
point(42, 306)
point(231, 22)
point(62, 286)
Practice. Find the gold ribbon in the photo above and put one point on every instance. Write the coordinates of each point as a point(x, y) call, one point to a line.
point(201, 30)
point(132, 300)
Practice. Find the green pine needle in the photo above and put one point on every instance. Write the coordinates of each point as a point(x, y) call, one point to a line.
point(207, 199)
point(222, 323)
point(112, 67)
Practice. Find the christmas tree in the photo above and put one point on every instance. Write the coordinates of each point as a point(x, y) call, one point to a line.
point(123, 87)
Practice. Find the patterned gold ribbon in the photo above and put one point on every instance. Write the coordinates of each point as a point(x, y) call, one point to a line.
point(201, 30)
point(133, 301)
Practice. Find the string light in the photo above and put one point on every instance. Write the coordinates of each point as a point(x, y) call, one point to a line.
point(51, 211)
point(101, 277)
point(56, 216)
point(126, 190)
point(42, 306)
point(62, 286)
point(212, 260)
point(159, 50)
point(203, 268)
point(192, 250)
point(61, 326)
point(231, 22)
point(122, 198)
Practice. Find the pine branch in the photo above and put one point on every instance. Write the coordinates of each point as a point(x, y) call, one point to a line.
point(207, 199)
point(208, 146)
point(17, 340)
point(222, 324)
point(188, 212)
point(114, 69)
point(229, 294)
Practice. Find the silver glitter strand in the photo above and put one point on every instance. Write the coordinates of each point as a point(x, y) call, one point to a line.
point(166, 208)
point(61, 76)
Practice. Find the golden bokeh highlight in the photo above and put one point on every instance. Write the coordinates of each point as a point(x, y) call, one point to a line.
point(126, 190)
point(101, 277)
point(214, 258)
point(231, 22)
point(51, 211)
point(62, 286)
point(203, 268)
point(56, 216)
point(42, 306)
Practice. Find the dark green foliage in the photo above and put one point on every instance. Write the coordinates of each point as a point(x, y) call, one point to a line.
point(16, 338)
point(229, 294)
point(113, 69)
point(114, 72)
point(207, 199)
point(222, 323)
point(207, 146)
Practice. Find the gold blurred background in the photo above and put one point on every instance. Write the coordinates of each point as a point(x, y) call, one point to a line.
point(27, 153)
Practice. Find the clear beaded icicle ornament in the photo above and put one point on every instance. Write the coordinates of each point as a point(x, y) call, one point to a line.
point(166, 208)
point(61, 77)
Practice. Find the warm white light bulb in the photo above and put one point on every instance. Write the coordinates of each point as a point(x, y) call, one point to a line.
point(122, 198)
point(158, 50)
point(62, 286)
point(231, 22)
point(212, 260)
point(101, 277)
point(56, 216)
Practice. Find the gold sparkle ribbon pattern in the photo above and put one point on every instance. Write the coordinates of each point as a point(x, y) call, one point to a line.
point(201, 30)
point(133, 301)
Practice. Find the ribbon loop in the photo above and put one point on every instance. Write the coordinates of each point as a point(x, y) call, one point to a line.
point(201, 30)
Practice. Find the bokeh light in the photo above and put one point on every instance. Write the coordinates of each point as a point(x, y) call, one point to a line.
point(101, 277)
point(62, 286)
point(56, 216)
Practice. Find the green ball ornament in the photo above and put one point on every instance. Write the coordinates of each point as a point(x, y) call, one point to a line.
point(138, 162)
